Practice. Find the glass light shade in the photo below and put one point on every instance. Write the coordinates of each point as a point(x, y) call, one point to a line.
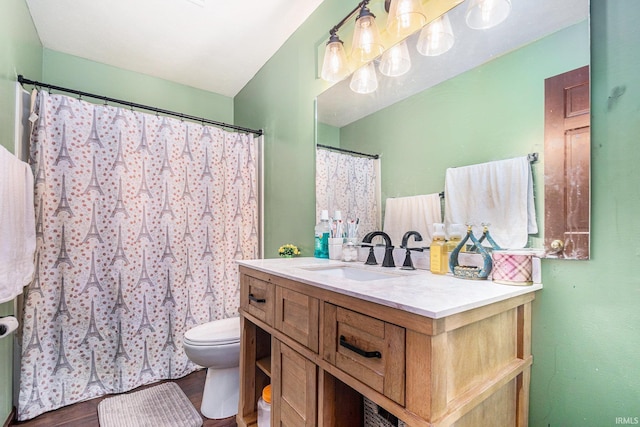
point(483, 14)
point(334, 66)
point(405, 18)
point(436, 38)
point(364, 80)
point(396, 61)
point(366, 40)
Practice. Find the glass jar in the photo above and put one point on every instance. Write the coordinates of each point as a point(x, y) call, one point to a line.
point(349, 250)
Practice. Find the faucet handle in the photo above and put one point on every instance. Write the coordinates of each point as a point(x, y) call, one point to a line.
point(371, 259)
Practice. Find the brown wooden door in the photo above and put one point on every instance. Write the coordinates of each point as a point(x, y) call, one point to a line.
point(567, 165)
point(294, 381)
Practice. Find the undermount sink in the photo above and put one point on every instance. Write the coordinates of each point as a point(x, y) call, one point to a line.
point(353, 273)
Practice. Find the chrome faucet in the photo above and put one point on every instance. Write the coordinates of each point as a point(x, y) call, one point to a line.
point(388, 249)
point(408, 263)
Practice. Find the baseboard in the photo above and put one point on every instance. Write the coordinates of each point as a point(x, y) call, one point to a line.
point(11, 418)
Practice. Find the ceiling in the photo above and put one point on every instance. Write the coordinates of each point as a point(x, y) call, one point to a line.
point(214, 45)
point(528, 21)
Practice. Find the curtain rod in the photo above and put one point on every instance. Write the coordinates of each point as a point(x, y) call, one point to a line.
point(343, 150)
point(106, 99)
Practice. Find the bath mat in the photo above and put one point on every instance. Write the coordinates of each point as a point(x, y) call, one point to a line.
point(164, 405)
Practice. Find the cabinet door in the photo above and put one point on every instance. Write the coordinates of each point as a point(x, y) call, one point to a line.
point(297, 317)
point(294, 385)
point(368, 349)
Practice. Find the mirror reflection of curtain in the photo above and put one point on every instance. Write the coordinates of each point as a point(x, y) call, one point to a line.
point(350, 184)
point(139, 221)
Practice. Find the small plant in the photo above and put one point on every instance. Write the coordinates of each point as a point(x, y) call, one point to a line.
point(288, 251)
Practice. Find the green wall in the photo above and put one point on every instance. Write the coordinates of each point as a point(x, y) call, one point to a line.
point(280, 100)
point(20, 51)
point(586, 338)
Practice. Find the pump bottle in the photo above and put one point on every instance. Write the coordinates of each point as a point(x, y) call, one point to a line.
point(438, 250)
point(323, 230)
point(455, 237)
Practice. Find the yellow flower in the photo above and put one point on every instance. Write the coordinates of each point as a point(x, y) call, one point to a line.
point(288, 250)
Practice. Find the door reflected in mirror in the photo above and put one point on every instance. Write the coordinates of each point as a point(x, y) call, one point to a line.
point(463, 108)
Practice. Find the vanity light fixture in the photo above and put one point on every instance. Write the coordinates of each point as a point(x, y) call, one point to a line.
point(396, 61)
point(405, 18)
point(436, 38)
point(484, 14)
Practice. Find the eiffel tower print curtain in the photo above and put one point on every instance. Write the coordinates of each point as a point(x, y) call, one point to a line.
point(139, 219)
point(351, 185)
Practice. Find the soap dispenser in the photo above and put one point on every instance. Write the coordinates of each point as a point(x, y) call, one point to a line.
point(455, 237)
point(438, 251)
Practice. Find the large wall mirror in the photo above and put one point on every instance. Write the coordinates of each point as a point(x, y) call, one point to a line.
point(481, 101)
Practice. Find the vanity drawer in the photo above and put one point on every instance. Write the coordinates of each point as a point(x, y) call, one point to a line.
point(297, 316)
point(366, 348)
point(257, 298)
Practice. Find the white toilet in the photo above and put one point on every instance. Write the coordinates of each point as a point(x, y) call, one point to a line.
point(216, 346)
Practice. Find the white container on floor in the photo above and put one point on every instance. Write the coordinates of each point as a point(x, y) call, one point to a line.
point(264, 408)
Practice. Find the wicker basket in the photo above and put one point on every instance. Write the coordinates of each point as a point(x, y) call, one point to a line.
point(373, 419)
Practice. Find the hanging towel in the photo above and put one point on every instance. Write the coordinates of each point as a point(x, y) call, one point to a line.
point(17, 226)
point(416, 213)
point(499, 193)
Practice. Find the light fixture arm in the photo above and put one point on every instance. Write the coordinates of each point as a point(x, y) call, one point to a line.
point(337, 27)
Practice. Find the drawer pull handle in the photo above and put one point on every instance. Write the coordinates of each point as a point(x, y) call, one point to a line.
point(258, 300)
point(361, 352)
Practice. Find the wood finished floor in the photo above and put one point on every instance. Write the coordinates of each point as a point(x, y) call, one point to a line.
point(85, 414)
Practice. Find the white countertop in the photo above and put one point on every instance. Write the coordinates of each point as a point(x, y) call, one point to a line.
point(415, 291)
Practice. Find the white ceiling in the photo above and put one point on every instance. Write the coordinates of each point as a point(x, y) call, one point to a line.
point(214, 45)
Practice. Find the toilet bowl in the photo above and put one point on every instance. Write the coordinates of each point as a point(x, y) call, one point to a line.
point(216, 346)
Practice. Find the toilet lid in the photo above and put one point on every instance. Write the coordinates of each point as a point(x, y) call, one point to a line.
point(224, 331)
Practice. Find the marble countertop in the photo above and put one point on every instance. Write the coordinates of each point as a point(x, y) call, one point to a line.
point(415, 291)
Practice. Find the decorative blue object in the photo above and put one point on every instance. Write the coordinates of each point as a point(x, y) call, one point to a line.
point(473, 272)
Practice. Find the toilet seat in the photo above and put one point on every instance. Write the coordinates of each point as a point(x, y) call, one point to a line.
point(217, 332)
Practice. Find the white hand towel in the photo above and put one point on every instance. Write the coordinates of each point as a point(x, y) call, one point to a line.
point(17, 226)
point(499, 193)
point(416, 213)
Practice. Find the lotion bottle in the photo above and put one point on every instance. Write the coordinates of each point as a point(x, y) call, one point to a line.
point(323, 230)
point(438, 251)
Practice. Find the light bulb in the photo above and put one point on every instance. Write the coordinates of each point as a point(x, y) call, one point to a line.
point(436, 38)
point(483, 14)
point(405, 17)
point(364, 80)
point(366, 39)
point(396, 61)
point(334, 66)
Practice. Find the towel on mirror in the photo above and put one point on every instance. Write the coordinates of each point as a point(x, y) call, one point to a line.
point(417, 213)
point(17, 226)
point(497, 193)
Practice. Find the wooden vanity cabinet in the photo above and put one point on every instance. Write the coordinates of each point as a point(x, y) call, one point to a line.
point(327, 350)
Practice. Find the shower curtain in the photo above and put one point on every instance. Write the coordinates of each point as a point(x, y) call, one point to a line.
point(139, 219)
point(350, 184)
